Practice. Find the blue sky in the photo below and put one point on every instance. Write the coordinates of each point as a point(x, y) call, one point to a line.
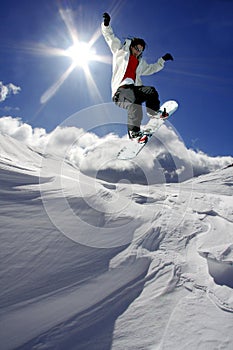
point(198, 34)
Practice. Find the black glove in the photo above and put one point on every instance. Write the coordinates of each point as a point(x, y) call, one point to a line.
point(106, 18)
point(167, 57)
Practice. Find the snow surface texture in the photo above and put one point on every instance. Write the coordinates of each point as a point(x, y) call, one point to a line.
point(109, 255)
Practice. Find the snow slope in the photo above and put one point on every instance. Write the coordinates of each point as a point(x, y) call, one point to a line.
point(93, 264)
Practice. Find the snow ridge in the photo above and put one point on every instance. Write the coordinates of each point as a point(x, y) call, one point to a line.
point(94, 264)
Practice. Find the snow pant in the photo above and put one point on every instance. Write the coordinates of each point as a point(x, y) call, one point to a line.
point(131, 97)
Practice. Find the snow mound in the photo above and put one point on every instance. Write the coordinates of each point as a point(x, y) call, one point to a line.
point(94, 264)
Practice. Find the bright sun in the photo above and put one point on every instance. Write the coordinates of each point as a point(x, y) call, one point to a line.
point(80, 53)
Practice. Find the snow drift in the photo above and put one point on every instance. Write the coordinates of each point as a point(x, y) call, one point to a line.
point(100, 254)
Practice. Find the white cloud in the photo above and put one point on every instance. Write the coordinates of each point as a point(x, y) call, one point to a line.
point(23, 132)
point(8, 109)
point(167, 158)
point(7, 90)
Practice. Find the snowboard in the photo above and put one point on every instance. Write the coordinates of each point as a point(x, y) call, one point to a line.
point(134, 146)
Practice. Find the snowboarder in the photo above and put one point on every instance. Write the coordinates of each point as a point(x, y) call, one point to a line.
point(127, 89)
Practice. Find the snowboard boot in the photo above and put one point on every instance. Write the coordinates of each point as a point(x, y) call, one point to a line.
point(139, 136)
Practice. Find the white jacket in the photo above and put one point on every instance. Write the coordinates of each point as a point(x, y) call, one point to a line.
point(121, 57)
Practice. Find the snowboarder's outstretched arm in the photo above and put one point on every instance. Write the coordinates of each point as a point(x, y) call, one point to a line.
point(148, 69)
point(113, 42)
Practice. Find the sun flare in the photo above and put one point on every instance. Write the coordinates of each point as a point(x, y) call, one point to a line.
point(80, 53)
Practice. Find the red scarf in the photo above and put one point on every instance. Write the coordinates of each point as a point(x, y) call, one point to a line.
point(131, 68)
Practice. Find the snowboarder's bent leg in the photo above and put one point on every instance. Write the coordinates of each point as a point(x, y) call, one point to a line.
point(134, 117)
point(125, 98)
point(150, 96)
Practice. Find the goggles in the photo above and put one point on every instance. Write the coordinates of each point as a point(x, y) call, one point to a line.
point(137, 49)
